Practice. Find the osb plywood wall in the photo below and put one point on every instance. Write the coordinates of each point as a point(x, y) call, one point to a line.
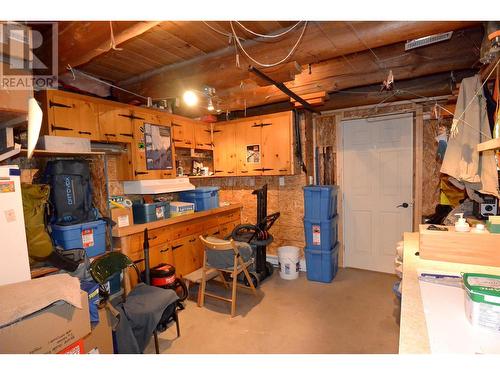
point(432, 165)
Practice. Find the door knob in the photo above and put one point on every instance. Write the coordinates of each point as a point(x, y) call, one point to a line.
point(404, 205)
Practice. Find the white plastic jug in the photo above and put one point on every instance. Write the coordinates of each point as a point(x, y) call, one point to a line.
point(288, 258)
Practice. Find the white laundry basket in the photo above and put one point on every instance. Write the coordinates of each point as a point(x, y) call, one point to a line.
point(288, 258)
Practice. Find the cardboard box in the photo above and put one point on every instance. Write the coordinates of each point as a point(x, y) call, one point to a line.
point(47, 331)
point(63, 144)
point(123, 217)
point(181, 208)
point(100, 340)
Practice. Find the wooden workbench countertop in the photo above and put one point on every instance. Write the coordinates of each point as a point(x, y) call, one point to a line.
point(139, 228)
point(413, 335)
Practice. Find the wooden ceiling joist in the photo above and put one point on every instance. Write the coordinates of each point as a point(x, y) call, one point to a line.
point(80, 42)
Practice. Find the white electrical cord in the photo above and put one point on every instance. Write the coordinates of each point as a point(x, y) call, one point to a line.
point(229, 35)
point(267, 36)
point(273, 64)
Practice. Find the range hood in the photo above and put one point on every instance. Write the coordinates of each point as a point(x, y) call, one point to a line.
point(167, 185)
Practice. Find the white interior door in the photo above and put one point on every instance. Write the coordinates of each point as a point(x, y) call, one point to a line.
point(377, 178)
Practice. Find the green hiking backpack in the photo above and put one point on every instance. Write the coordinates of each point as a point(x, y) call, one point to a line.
point(35, 201)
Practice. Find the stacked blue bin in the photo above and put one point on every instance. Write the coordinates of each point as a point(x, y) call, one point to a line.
point(203, 197)
point(321, 232)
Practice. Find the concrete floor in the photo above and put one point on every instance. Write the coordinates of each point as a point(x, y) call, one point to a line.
point(356, 313)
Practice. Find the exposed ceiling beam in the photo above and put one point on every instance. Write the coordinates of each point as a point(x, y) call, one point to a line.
point(361, 69)
point(323, 42)
point(80, 42)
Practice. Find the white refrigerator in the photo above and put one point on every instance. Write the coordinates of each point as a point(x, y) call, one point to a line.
point(14, 261)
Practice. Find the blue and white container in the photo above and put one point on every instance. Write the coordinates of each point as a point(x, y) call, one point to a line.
point(204, 198)
point(320, 201)
point(320, 234)
point(90, 236)
point(322, 265)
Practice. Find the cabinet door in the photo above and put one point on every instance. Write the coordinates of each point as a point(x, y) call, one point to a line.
point(183, 130)
point(141, 172)
point(71, 117)
point(202, 137)
point(224, 150)
point(182, 256)
point(115, 123)
point(277, 145)
point(249, 148)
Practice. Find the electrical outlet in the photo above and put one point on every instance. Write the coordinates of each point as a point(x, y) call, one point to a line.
point(282, 181)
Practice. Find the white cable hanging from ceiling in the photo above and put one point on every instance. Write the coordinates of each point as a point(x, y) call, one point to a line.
point(272, 64)
point(268, 36)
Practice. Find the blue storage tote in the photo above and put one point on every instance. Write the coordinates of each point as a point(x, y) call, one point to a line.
point(148, 212)
point(322, 265)
point(320, 201)
point(90, 236)
point(204, 198)
point(320, 234)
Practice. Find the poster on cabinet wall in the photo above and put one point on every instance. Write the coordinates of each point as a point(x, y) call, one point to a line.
point(253, 154)
point(158, 147)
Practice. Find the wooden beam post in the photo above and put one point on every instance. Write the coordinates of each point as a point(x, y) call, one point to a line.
point(418, 167)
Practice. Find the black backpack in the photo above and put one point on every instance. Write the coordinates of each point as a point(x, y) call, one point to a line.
point(71, 192)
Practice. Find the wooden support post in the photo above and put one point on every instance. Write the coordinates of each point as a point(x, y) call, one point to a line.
point(340, 183)
point(418, 167)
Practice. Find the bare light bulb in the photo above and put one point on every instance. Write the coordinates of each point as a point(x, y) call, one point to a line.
point(190, 98)
point(210, 106)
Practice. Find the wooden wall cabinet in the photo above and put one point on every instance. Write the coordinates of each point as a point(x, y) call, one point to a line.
point(202, 136)
point(115, 123)
point(183, 132)
point(224, 151)
point(139, 163)
point(260, 146)
point(70, 115)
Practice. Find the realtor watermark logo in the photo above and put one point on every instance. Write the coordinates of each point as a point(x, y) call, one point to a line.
point(28, 56)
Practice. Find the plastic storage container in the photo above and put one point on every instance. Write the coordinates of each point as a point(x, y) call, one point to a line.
point(320, 234)
point(320, 201)
point(90, 236)
point(322, 265)
point(148, 212)
point(482, 300)
point(204, 198)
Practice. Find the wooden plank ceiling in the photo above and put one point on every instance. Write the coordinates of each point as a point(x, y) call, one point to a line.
point(162, 59)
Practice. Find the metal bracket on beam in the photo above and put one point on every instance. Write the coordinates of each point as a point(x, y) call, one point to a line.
point(283, 88)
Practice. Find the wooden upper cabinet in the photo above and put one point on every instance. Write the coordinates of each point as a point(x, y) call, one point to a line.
point(277, 145)
point(70, 116)
point(224, 151)
point(140, 142)
point(183, 130)
point(115, 123)
point(202, 137)
point(248, 148)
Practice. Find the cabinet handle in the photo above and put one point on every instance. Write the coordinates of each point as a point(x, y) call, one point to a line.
point(110, 135)
point(176, 247)
point(244, 171)
point(187, 142)
point(218, 232)
point(267, 169)
point(192, 240)
point(55, 104)
point(152, 238)
point(268, 124)
point(164, 251)
point(138, 173)
point(177, 140)
point(283, 170)
point(199, 144)
point(138, 260)
point(230, 172)
point(55, 127)
point(132, 117)
point(127, 134)
point(88, 133)
point(260, 125)
point(218, 171)
point(215, 131)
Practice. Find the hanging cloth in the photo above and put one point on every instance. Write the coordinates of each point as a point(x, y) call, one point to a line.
point(462, 160)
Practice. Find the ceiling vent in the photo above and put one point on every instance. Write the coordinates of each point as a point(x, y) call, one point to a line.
point(426, 40)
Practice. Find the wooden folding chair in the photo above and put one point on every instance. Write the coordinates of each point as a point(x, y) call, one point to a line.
point(238, 266)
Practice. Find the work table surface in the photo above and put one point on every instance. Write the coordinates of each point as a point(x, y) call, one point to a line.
point(139, 228)
point(413, 336)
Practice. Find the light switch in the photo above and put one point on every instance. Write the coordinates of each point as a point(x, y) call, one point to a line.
point(282, 181)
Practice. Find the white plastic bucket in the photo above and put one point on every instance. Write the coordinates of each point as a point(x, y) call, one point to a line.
point(288, 262)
